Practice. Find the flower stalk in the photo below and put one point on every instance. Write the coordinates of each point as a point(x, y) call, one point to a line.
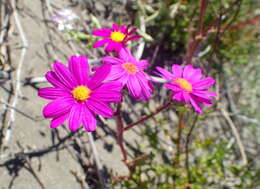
point(120, 131)
point(144, 118)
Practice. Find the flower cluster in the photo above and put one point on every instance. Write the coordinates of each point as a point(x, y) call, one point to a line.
point(78, 96)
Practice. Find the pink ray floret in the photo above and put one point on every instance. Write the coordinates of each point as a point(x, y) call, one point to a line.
point(129, 71)
point(188, 86)
point(115, 38)
point(78, 97)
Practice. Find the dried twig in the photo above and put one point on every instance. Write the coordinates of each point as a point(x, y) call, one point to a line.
point(17, 91)
point(36, 153)
point(188, 138)
point(17, 110)
point(35, 175)
point(236, 134)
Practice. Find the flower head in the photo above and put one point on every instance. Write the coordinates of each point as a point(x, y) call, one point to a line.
point(188, 86)
point(77, 96)
point(116, 37)
point(129, 71)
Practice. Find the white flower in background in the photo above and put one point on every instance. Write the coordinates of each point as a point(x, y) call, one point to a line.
point(64, 19)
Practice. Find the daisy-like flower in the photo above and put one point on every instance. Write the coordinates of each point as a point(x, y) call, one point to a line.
point(77, 96)
point(129, 71)
point(115, 38)
point(188, 86)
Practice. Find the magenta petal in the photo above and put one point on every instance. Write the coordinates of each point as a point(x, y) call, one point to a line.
point(75, 117)
point(110, 47)
point(134, 37)
point(196, 106)
point(196, 75)
point(201, 94)
point(125, 55)
point(64, 75)
point(99, 107)
point(111, 86)
point(132, 31)
point(178, 96)
point(134, 86)
point(99, 76)
point(205, 102)
point(57, 107)
point(165, 74)
point(118, 46)
point(52, 93)
point(124, 78)
point(101, 43)
point(186, 97)
point(107, 96)
point(205, 93)
point(203, 83)
point(54, 80)
point(103, 32)
point(188, 71)
point(88, 120)
point(142, 64)
point(193, 75)
point(112, 60)
point(177, 71)
point(116, 73)
point(55, 122)
point(122, 29)
point(115, 27)
point(78, 66)
point(146, 87)
point(173, 87)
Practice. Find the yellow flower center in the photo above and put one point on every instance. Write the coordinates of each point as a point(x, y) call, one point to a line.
point(184, 84)
point(117, 36)
point(81, 93)
point(130, 68)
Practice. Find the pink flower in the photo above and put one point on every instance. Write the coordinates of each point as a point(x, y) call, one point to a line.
point(188, 86)
point(116, 37)
point(129, 71)
point(77, 96)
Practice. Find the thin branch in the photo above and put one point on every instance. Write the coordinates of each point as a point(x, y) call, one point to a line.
point(199, 34)
point(36, 153)
point(203, 7)
point(35, 175)
point(187, 165)
point(144, 118)
point(236, 134)
point(17, 91)
point(120, 131)
point(17, 110)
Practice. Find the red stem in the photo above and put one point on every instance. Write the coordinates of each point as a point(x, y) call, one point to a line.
point(148, 116)
point(199, 34)
point(120, 130)
point(203, 7)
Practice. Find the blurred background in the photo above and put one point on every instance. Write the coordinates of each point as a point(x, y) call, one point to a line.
point(219, 149)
